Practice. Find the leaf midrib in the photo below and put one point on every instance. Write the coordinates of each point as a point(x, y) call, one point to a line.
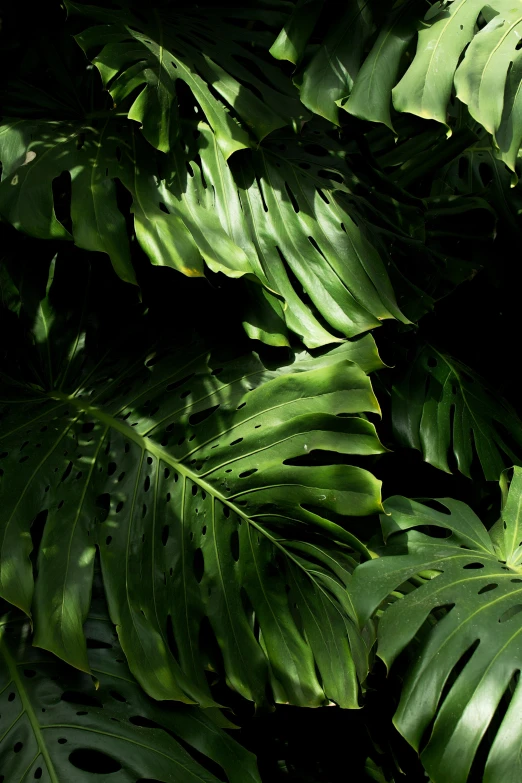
point(146, 444)
point(28, 709)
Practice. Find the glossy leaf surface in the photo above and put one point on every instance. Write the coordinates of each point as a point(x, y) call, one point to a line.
point(463, 622)
point(189, 477)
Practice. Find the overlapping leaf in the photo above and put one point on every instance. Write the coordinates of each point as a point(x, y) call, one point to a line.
point(441, 408)
point(277, 214)
point(212, 532)
point(59, 726)
point(220, 62)
point(33, 155)
point(465, 676)
point(469, 47)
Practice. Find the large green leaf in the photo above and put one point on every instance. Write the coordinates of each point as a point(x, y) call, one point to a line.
point(59, 725)
point(221, 63)
point(280, 214)
point(287, 210)
point(188, 476)
point(487, 79)
point(33, 155)
point(465, 47)
point(330, 74)
point(370, 97)
point(463, 687)
point(441, 408)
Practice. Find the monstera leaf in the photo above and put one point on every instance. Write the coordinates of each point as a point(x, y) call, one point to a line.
point(33, 155)
point(59, 725)
point(463, 687)
point(467, 46)
point(196, 480)
point(441, 408)
point(143, 57)
point(279, 215)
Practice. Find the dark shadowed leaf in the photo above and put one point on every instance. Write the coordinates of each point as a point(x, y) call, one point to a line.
point(445, 411)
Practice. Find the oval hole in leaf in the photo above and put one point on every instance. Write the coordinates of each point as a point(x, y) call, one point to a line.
point(509, 613)
point(76, 697)
point(171, 639)
point(177, 384)
point(118, 696)
point(146, 723)
point(66, 472)
point(95, 761)
point(197, 418)
point(199, 565)
point(487, 588)
point(473, 565)
point(234, 545)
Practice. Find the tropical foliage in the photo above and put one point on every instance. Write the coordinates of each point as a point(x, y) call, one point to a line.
point(215, 219)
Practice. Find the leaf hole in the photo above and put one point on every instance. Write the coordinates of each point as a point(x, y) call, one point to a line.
point(488, 588)
point(198, 565)
point(234, 545)
point(197, 418)
point(292, 198)
point(77, 697)
point(509, 613)
point(91, 760)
